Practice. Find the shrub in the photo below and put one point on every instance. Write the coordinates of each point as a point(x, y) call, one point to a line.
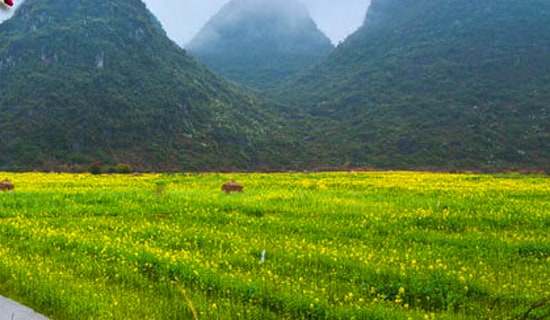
point(95, 168)
point(123, 168)
point(119, 168)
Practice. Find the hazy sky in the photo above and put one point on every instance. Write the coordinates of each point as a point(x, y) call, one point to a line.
point(182, 19)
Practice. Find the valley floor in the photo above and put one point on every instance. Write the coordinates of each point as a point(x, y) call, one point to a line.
point(393, 245)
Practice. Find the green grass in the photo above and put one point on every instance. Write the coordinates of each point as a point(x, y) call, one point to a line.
point(338, 246)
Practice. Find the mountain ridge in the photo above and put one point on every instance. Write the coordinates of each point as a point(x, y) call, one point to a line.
point(259, 43)
point(82, 82)
point(447, 84)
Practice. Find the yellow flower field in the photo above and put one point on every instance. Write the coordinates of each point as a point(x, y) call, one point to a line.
point(375, 245)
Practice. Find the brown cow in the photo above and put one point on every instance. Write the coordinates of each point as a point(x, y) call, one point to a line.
point(232, 186)
point(6, 186)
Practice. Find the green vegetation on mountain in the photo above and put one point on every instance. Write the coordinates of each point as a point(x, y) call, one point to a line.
point(423, 84)
point(426, 83)
point(99, 81)
point(259, 43)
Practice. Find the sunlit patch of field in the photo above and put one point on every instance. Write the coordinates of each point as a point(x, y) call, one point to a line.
point(373, 245)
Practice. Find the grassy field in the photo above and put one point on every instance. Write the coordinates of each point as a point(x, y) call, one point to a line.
point(373, 245)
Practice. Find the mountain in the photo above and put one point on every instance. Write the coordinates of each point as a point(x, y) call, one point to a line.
point(259, 43)
point(426, 83)
point(99, 81)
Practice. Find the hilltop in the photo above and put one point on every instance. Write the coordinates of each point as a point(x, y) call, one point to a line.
point(87, 81)
point(259, 43)
point(435, 84)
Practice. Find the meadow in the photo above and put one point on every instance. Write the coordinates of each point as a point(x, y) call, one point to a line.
point(364, 245)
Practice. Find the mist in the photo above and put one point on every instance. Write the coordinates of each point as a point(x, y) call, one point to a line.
point(183, 19)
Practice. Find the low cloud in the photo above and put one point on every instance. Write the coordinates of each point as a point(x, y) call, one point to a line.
point(183, 19)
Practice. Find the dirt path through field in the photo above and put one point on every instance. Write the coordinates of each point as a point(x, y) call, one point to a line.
point(11, 310)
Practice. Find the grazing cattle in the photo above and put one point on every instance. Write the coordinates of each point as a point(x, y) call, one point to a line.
point(232, 186)
point(6, 186)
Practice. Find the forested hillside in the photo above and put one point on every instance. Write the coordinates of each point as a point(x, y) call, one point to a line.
point(422, 84)
point(427, 83)
point(86, 81)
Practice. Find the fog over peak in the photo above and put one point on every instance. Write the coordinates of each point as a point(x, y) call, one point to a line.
point(257, 21)
point(291, 9)
point(182, 19)
point(259, 43)
point(265, 5)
